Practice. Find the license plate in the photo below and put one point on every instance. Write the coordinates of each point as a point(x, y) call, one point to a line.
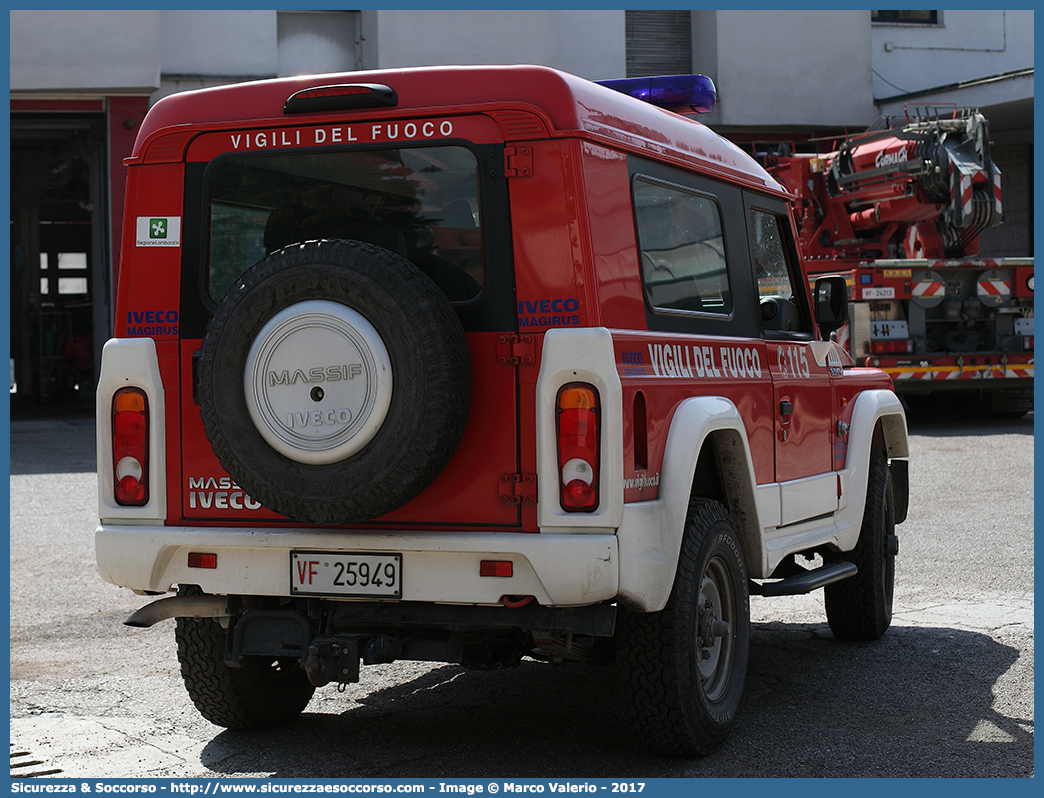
point(322, 573)
point(879, 293)
point(889, 329)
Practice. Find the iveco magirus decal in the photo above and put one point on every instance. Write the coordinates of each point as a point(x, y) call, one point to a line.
point(218, 493)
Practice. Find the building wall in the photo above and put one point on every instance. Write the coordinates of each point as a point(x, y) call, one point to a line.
point(591, 44)
point(777, 72)
point(75, 50)
point(779, 69)
point(319, 41)
point(771, 67)
point(967, 44)
point(1013, 238)
point(226, 43)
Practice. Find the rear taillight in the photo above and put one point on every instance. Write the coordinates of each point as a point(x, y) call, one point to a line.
point(130, 446)
point(578, 447)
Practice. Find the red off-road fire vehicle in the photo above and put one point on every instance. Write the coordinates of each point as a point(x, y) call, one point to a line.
point(474, 364)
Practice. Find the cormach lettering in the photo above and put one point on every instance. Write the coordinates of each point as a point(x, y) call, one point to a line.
point(891, 158)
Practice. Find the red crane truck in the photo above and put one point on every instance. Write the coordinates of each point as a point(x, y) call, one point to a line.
point(898, 210)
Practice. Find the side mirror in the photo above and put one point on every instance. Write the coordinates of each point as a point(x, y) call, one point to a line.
point(831, 300)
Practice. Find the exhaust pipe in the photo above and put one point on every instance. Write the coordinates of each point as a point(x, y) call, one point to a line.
point(179, 607)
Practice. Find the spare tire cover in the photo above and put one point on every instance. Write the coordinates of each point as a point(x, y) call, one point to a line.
point(334, 381)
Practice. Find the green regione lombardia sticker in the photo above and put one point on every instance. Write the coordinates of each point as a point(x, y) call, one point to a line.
point(158, 231)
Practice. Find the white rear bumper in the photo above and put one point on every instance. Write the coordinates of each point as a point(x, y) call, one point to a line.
point(556, 569)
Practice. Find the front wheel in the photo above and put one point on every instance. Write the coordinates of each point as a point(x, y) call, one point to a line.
point(860, 608)
point(685, 666)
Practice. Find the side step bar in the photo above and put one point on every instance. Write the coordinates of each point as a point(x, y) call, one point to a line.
point(806, 582)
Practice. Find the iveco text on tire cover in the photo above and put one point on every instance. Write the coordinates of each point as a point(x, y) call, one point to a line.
point(334, 381)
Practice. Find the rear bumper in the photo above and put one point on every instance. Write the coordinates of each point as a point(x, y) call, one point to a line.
point(443, 567)
point(992, 371)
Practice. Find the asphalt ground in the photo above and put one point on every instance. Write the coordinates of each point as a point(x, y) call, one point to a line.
point(947, 692)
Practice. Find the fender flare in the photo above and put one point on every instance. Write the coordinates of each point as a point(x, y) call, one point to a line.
point(870, 409)
point(650, 535)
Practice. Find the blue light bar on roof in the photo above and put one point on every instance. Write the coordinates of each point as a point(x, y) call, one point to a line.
point(675, 92)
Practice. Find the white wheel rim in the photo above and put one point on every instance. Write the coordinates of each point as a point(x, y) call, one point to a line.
point(318, 382)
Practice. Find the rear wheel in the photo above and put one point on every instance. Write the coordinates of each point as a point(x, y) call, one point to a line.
point(264, 692)
point(860, 607)
point(685, 666)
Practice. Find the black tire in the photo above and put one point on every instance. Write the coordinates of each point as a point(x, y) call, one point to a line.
point(265, 692)
point(680, 708)
point(860, 608)
point(413, 394)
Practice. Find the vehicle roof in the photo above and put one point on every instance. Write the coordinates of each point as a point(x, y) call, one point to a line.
point(568, 104)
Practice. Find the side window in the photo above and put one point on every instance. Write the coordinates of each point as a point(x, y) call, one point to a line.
point(779, 300)
point(682, 249)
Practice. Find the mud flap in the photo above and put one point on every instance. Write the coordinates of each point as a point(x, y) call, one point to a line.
point(270, 633)
point(900, 473)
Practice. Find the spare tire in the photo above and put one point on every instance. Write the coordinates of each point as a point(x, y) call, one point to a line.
point(334, 381)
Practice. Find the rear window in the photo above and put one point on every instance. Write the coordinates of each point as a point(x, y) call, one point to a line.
point(682, 249)
point(421, 203)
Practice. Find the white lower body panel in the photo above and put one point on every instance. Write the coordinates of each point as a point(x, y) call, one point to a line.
point(558, 570)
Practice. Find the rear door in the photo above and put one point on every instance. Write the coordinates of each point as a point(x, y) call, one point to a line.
point(426, 189)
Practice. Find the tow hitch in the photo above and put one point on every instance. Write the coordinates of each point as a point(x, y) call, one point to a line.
point(336, 659)
point(332, 659)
